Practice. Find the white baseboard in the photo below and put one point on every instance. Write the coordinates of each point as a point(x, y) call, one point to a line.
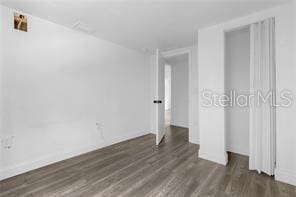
point(237, 152)
point(285, 176)
point(152, 132)
point(50, 159)
point(193, 141)
point(220, 159)
point(179, 125)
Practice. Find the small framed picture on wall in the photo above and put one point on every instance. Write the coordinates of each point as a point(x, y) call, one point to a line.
point(20, 22)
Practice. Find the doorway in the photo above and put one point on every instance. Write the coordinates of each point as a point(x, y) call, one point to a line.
point(174, 69)
point(178, 90)
point(167, 95)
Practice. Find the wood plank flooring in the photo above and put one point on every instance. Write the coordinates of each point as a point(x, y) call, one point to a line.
point(139, 168)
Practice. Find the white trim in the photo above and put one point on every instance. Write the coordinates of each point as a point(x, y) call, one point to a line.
point(171, 53)
point(191, 115)
point(213, 157)
point(50, 159)
point(285, 176)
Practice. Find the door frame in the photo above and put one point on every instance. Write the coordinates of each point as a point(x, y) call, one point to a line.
point(188, 51)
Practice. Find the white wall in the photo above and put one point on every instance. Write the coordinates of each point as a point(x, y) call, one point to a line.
point(194, 125)
point(1, 77)
point(237, 79)
point(167, 87)
point(56, 83)
point(293, 179)
point(211, 75)
point(152, 91)
point(179, 92)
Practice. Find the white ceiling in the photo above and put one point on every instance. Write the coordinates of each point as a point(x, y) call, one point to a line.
point(142, 24)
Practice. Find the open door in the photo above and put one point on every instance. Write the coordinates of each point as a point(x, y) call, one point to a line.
point(159, 102)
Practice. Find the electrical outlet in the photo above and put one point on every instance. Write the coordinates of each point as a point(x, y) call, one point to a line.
point(7, 142)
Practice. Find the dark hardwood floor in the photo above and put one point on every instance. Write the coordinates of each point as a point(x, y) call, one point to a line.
point(139, 168)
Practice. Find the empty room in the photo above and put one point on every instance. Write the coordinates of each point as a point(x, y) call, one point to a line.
point(148, 98)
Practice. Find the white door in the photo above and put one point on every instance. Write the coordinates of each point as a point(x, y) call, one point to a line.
point(159, 101)
point(262, 115)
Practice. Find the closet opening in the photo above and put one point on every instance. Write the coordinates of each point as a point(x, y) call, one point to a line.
point(237, 82)
point(250, 84)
